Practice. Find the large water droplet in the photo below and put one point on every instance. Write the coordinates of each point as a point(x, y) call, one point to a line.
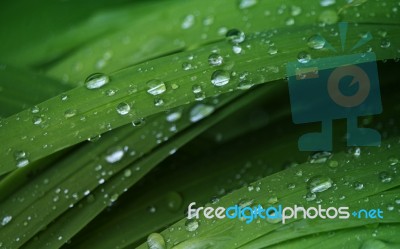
point(156, 87)
point(235, 36)
point(215, 59)
point(114, 155)
point(320, 184)
point(96, 80)
point(6, 220)
point(316, 42)
point(220, 78)
point(200, 111)
point(123, 108)
point(156, 241)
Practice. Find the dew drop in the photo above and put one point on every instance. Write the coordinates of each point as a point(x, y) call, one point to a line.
point(200, 111)
point(220, 78)
point(158, 102)
point(156, 241)
point(244, 4)
point(6, 220)
point(385, 177)
point(358, 186)
point(191, 225)
point(236, 49)
point(320, 157)
point(320, 184)
point(36, 120)
point(174, 116)
point(376, 244)
point(127, 173)
point(188, 22)
point(35, 110)
point(235, 36)
point(123, 108)
point(325, 3)
point(114, 155)
point(385, 43)
point(316, 42)
point(96, 80)
point(22, 162)
point(310, 196)
point(70, 113)
point(303, 57)
point(196, 88)
point(328, 17)
point(174, 201)
point(156, 87)
point(215, 59)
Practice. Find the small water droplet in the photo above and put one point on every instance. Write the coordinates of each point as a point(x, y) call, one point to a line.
point(303, 57)
point(64, 97)
point(200, 111)
point(35, 110)
point(36, 120)
point(358, 185)
point(236, 49)
point(385, 177)
point(174, 201)
point(156, 241)
point(158, 102)
point(127, 173)
point(385, 43)
point(289, 21)
point(188, 22)
point(244, 4)
point(325, 3)
point(310, 196)
point(123, 108)
point(328, 17)
point(320, 184)
point(96, 80)
point(191, 225)
point(174, 116)
point(70, 113)
point(316, 42)
point(291, 186)
point(272, 200)
point(376, 244)
point(215, 59)
point(187, 66)
point(110, 92)
point(22, 162)
point(220, 78)
point(333, 164)
point(272, 50)
point(156, 87)
point(235, 36)
point(114, 155)
point(320, 157)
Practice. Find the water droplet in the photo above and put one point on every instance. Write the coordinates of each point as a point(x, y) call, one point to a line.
point(244, 4)
point(272, 50)
point(272, 200)
point(358, 185)
point(200, 111)
point(110, 92)
point(236, 49)
point(291, 186)
point(174, 201)
point(310, 196)
point(114, 155)
point(333, 164)
point(36, 120)
point(64, 97)
point(376, 244)
point(385, 177)
point(156, 87)
point(174, 116)
point(158, 102)
point(295, 10)
point(356, 152)
point(94, 138)
point(325, 3)
point(70, 113)
point(127, 173)
point(188, 22)
point(215, 59)
point(156, 241)
point(385, 43)
point(303, 57)
point(123, 108)
point(220, 78)
point(316, 42)
point(152, 209)
point(289, 21)
point(328, 17)
point(320, 184)
point(96, 80)
point(6, 220)
point(320, 157)
point(35, 110)
point(191, 225)
point(187, 66)
point(235, 36)
point(22, 162)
